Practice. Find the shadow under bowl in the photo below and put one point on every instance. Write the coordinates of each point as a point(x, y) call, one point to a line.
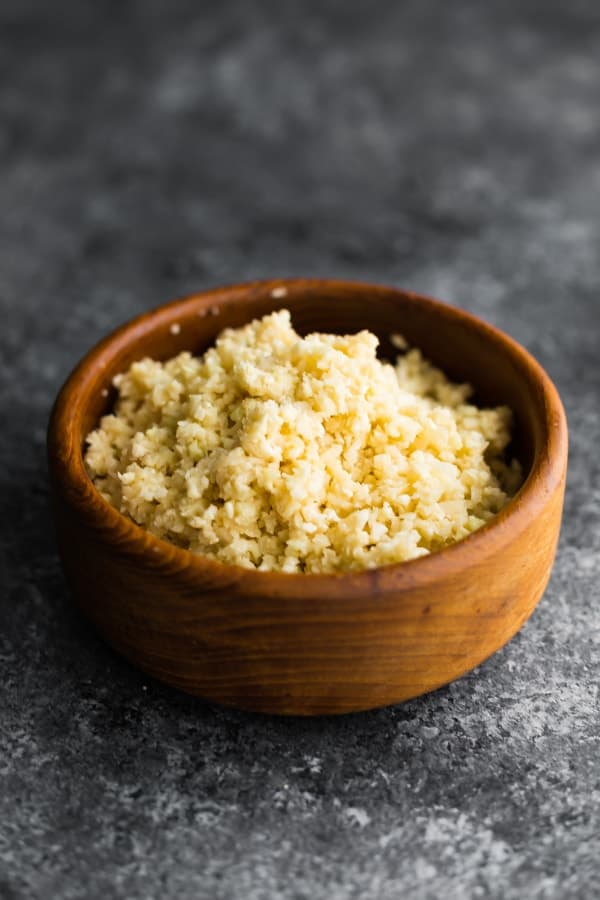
point(311, 644)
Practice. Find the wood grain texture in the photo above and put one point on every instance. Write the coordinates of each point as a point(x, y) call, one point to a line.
point(311, 644)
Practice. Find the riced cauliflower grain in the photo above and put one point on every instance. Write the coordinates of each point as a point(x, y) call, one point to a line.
point(278, 452)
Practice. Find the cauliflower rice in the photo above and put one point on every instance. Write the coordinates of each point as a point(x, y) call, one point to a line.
point(278, 452)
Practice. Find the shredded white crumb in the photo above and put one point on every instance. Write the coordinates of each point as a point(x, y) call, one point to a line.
point(278, 452)
point(175, 328)
point(279, 292)
point(398, 341)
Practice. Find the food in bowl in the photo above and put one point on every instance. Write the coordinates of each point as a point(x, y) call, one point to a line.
point(308, 454)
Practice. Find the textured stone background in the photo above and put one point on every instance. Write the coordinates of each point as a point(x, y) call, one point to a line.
point(152, 148)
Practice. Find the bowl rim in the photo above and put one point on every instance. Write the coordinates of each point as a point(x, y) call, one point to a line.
point(70, 478)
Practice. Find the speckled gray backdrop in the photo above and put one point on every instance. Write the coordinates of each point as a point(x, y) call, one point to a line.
point(152, 148)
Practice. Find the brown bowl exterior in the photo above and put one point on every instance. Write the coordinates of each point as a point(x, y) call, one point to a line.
point(311, 644)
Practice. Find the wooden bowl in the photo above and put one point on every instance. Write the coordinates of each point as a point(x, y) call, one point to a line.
point(311, 644)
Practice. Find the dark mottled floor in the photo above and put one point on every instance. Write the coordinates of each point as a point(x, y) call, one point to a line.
point(152, 148)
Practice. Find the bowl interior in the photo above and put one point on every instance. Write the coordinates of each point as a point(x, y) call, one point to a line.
point(465, 348)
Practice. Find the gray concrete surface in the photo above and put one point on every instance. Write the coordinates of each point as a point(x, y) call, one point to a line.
point(151, 149)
